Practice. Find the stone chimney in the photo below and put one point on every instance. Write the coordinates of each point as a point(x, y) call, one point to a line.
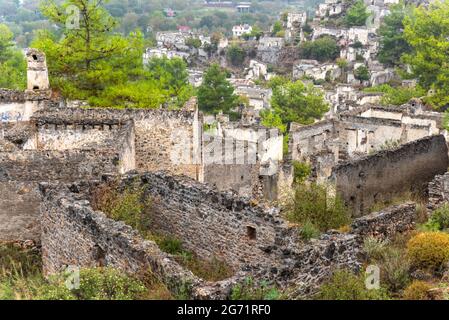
point(37, 72)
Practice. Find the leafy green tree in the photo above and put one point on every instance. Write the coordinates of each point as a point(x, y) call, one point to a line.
point(322, 49)
point(356, 14)
point(277, 27)
point(207, 22)
point(271, 119)
point(397, 95)
point(86, 60)
point(427, 32)
point(296, 102)
point(392, 42)
point(236, 55)
point(12, 62)
point(256, 33)
point(216, 93)
point(193, 42)
point(165, 83)
point(361, 73)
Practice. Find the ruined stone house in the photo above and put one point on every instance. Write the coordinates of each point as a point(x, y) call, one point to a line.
point(53, 158)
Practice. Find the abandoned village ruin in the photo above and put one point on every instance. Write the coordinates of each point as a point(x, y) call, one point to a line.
point(55, 154)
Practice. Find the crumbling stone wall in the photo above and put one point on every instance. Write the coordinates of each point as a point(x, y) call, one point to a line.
point(74, 234)
point(65, 166)
point(159, 134)
point(385, 174)
point(438, 191)
point(17, 106)
point(357, 133)
point(212, 223)
point(20, 172)
point(19, 211)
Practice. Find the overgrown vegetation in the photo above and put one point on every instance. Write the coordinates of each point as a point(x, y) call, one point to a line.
point(315, 205)
point(344, 285)
point(21, 279)
point(395, 200)
point(322, 49)
point(133, 207)
point(418, 290)
point(250, 290)
point(301, 172)
point(429, 250)
point(439, 220)
point(396, 95)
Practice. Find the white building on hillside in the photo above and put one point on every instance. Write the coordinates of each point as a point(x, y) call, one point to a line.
point(240, 30)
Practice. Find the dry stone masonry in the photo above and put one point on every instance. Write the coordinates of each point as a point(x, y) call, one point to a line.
point(255, 241)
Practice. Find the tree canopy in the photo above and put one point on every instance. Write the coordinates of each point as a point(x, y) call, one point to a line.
point(94, 62)
point(216, 93)
point(392, 42)
point(357, 14)
point(12, 62)
point(297, 102)
point(236, 55)
point(322, 49)
point(427, 32)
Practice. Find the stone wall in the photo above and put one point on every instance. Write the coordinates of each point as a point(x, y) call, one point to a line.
point(388, 173)
point(16, 106)
point(316, 261)
point(65, 166)
point(438, 191)
point(73, 234)
point(19, 211)
point(159, 134)
point(20, 171)
point(209, 223)
point(359, 132)
point(214, 224)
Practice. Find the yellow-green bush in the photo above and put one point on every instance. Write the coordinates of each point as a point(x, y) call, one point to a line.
point(429, 250)
point(417, 290)
point(345, 285)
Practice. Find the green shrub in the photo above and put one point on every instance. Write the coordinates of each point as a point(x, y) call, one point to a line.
point(15, 260)
point(129, 206)
point(374, 248)
point(312, 204)
point(236, 55)
point(308, 231)
point(361, 73)
point(417, 290)
point(396, 95)
point(251, 291)
point(344, 285)
point(170, 245)
point(95, 284)
point(439, 220)
point(357, 14)
point(301, 172)
point(429, 250)
point(395, 269)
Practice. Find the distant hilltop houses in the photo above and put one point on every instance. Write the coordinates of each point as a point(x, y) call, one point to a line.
point(239, 6)
point(241, 30)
